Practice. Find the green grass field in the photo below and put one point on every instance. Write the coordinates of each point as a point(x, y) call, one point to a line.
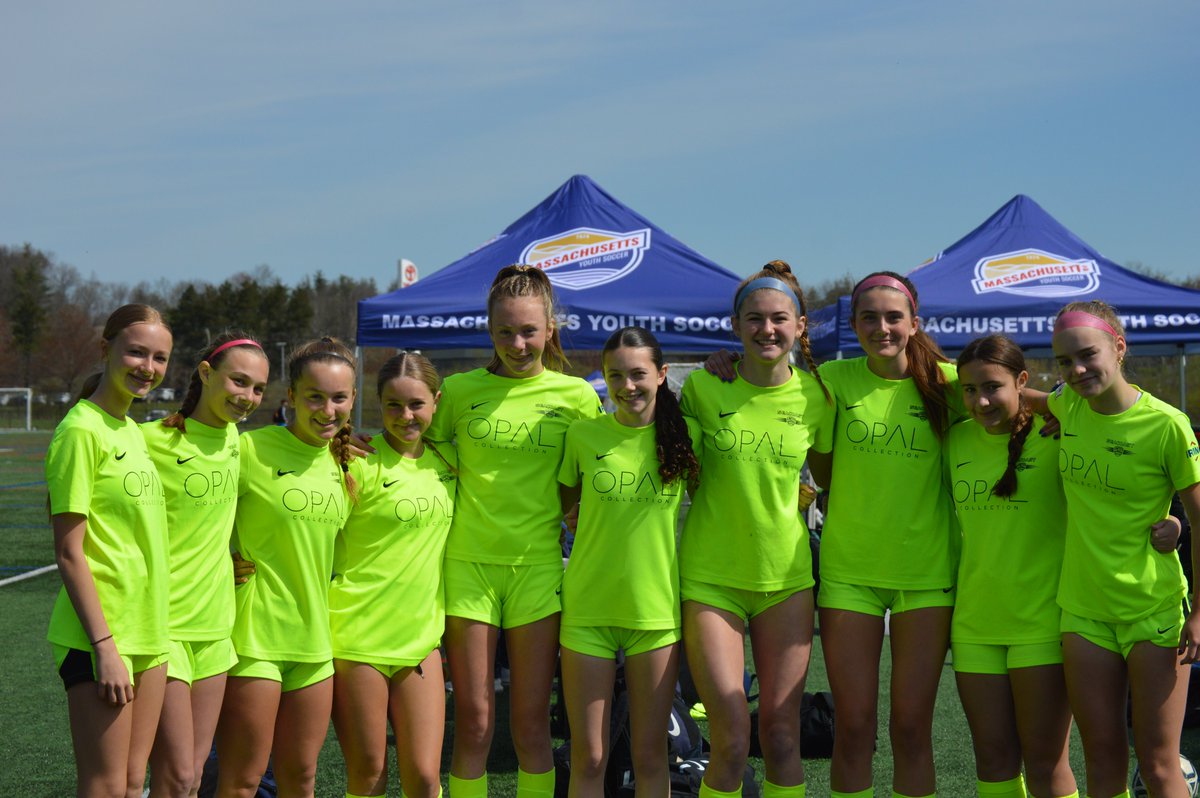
point(34, 740)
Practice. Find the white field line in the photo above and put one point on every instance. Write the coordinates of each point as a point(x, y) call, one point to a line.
point(28, 575)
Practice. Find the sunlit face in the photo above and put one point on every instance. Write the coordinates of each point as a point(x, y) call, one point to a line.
point(633, 380)
point(408, 407)
point(136, 360)
point(323, 398)
point(233, 389)
point(1089, 360)
point(519, 328)
point(768, 324)
point(991, 394)
point(883, 321)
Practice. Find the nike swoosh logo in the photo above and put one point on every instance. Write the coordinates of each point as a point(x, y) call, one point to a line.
point(121, 456)
point(851, 407)
point(281, 473)
point(181, 461)
point(389, 484)
point(726, 415)
point(602, 456)
point(965, 462)
point(1167, 629)
point(478, 405)
point(947, 589)
point(1070, 435)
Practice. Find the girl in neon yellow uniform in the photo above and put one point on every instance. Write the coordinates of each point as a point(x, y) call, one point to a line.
point(1123, 455)
point(745, 557)
point(503, 561)
point(894, 408)
point(294, 493)
point(109, 624)
point(387, 610)
point(196, 452)
point(1004, 635)
point(628, 496)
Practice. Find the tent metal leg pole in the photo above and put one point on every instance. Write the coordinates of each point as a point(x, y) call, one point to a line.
point(358, 390)
point(1182, 379)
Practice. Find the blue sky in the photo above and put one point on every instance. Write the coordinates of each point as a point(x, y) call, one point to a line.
point(147, 140)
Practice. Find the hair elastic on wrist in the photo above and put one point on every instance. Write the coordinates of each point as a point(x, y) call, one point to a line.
point(764, 282)
point(888, 282)
point(101, 640)
point(235, 342)
point(1081, 318)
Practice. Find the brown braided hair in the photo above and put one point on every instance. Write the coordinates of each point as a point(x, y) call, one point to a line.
point(924, 355)
point(673, 444)
point(1004, 352)
point(328, 350)
point(121, 318)
point(418, 367)
point(519, 280)
point(780, 270)
point(195, 389)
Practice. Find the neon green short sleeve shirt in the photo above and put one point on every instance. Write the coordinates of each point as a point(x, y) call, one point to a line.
point(1119, 473)
point(386, 602)
point(199, 471)
point(509, 435)
point(890, 522)
point(744, 528)
point(623, 569)
point(1012, 549)
point(291, 503)
point(98, 466)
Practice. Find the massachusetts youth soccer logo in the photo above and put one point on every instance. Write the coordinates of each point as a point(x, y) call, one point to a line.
point(1032, 272)
point(587, 257)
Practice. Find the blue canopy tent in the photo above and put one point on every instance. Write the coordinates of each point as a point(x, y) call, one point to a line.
point(610, 267)
point(1011, 275)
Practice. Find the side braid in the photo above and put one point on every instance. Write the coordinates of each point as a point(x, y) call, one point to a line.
point(1021, 425)
point(339, 447)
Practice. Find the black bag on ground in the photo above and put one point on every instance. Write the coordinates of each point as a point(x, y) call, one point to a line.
point(687, 775)
point(816, 727)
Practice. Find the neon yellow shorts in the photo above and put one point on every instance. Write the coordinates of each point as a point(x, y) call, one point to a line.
point(192, 660)
point(290, 675)
point(76, 666)
point(746, 604)
point(502, 595)
point(388, 670)
point(1161, 628)
point(878, 600)
point(985, 658)
point(606, 641)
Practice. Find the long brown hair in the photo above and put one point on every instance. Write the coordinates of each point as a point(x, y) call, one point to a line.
point(924, 355)
point(673, 444)
point(195, 388)
point(520, 280)
point(328, 350)
point(1004, 352)
point(121, 318)
point(418, 367)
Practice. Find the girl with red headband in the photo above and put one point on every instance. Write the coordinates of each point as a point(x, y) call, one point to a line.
point(196, 453)
point(1125, 617)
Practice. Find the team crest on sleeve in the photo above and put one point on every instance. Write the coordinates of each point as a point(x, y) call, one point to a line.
point(1193, 450)
point(918, 412)
point(586, 257)
point(1032, 272)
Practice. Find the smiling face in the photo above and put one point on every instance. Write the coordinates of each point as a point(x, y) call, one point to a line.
point(1089, 360)
point(768, 325)
point(519, 328)
point(323, 397)
point(633, 379)
point(233, 389)
point(883, 321)
point(135, 361)
point(408, 407)
point(991, 394)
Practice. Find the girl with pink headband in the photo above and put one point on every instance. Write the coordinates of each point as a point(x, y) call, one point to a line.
point(894, 407)
point(1125, 616)
point(196, 453)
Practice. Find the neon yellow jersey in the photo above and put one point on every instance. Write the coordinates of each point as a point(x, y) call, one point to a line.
point(1012, 548)
point(1119, 473)
point(623, 569)
point(386, 602)
point(291, 503)
point(890, 522)
point(509, 434)
point(199, 472)
point(98, 466)
point(744, 528)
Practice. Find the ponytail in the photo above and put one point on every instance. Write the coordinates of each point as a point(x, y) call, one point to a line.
point(1004, 352)
point(520, 280)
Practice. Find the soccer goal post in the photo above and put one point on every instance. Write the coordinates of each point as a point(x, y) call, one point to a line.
point(11, 401)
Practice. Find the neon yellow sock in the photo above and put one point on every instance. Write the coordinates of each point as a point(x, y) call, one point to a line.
point(535, 785)
point(902, 795)
point(468, 788)
point(709, 792)
point(867, 793)
point(403, 794)
point(1072, 795)
point(776, 791)
point(1011, 788)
